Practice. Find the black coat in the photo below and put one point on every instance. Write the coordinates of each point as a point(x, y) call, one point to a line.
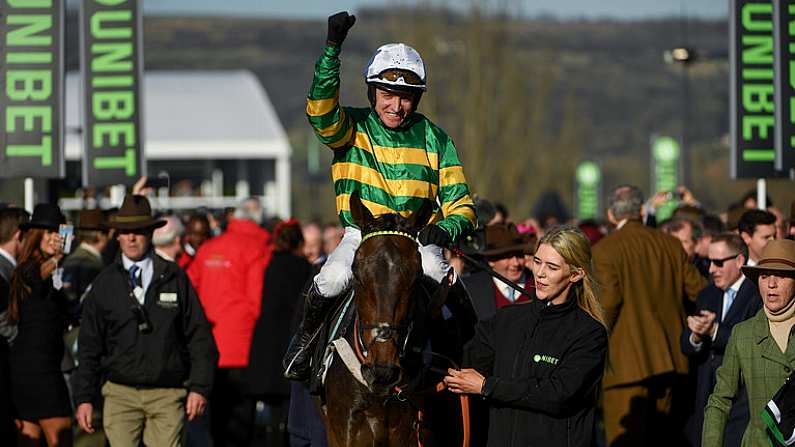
point(543, 365)
point(285, 278)
point(7, 429)
point(707, 360)
point(180, 349)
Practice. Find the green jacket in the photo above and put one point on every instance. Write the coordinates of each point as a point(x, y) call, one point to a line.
point(753, 357)
point(394, 171)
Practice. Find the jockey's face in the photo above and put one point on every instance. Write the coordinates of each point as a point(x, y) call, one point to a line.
point(393, 108)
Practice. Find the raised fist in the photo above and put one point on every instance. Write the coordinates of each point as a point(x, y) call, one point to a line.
point(338, 26)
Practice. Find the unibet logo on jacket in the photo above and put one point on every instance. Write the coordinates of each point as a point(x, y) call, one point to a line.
point(546, 359)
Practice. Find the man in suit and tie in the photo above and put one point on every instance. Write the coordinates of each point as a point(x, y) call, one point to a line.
point(729, 300)
point(10, 243)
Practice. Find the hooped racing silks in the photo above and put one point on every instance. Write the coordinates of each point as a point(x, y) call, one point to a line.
point(393, 170)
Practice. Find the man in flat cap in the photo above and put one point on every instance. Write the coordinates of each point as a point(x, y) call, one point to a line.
point(144, 332)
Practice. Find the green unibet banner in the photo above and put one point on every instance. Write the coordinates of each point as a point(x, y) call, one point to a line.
point(752, 89)
point(665, 153)
point(112, 69)
point(32, 94)
point(588, 179)
point(784, 38)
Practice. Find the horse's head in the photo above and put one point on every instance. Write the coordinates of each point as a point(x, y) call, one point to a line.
point(386, 269)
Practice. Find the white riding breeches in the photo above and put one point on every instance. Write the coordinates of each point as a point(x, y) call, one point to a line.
point(335, 275)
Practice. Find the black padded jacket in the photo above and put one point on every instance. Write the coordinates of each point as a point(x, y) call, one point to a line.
point(543, 365)
point(178, 352)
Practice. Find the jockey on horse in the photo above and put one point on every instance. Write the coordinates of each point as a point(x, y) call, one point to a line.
point(393, 156)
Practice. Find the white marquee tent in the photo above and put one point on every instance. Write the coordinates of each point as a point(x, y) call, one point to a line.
point(206, 117)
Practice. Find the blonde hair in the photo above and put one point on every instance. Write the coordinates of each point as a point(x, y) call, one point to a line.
point(573, 246)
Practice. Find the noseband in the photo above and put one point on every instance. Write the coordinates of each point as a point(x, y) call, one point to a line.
point(384, 332)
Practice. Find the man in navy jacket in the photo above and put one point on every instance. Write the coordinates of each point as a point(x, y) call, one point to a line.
point(729, 300)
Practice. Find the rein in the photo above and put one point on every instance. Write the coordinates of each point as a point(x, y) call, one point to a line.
point(485, 267)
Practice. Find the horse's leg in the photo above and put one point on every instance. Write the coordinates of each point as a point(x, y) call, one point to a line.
point(403, 428)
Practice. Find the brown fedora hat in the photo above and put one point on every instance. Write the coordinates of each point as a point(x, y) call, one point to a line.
point(778, 256)
point(503, 239)
point(92, 220)
point(135, 214)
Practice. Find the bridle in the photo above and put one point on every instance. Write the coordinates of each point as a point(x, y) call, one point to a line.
point(385, 332)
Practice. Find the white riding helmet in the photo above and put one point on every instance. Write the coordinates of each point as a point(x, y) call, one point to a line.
point(393, 65)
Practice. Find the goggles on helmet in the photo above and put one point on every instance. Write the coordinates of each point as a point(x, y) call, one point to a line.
point(408, 77)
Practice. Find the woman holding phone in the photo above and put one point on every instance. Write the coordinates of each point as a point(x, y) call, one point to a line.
point(539, 364)
point(38, 307)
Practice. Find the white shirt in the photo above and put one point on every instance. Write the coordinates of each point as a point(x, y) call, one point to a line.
point(8, 256)
point(146, 272)
point(751, 263)
point(508, 291)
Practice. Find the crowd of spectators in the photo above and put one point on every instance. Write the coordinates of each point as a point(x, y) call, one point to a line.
point(222, 294)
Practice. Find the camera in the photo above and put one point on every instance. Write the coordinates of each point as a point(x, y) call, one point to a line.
point(142, 318)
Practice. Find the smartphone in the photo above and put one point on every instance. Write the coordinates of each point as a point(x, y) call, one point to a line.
point(161, 181)
point(674, 195)
point(67, 233)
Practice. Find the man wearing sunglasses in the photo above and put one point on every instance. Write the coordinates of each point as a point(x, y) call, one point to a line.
point(145, 343)
point(394, 157)
point(729, 300)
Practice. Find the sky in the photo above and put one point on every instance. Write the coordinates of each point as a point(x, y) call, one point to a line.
point(565, 9)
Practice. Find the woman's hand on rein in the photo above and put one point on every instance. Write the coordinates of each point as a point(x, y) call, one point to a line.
point(467, 381)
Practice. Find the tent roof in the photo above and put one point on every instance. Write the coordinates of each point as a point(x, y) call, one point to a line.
point(196, 115)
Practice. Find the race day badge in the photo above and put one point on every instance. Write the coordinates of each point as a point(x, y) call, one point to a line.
point(167, 300)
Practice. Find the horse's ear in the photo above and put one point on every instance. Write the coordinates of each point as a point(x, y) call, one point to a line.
point(421, 217)
point(360, 214)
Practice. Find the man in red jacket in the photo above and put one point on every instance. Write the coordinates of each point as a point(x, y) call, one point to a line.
point(227, 273)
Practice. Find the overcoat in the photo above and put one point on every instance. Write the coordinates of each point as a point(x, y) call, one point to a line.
point(644, 276)
point(753, 357)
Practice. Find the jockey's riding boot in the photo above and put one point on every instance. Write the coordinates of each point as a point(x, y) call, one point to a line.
point(296, 361)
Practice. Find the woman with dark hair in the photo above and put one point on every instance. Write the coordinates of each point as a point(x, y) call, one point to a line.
point(38, 307)
point(539, 364)
point(285, 277)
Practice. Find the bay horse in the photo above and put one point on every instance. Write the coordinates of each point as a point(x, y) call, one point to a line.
point(378, 408)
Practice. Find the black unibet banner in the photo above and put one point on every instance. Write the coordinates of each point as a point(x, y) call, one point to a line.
point(752, 89)
point(31, 88)
point(112, 67)
point(784, 31)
